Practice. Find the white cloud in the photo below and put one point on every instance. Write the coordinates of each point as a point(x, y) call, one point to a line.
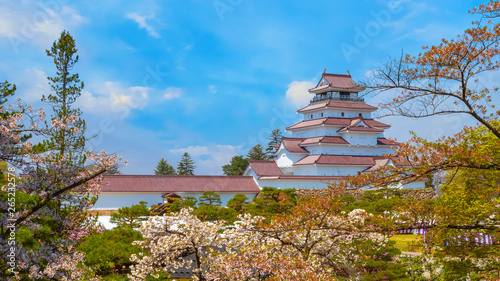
point(113, 99)
point(141, 21)
point(193, 150)
point(172, 93)
point(33, 84)
point(212, 88)
point(297, 92)
point(31, 21)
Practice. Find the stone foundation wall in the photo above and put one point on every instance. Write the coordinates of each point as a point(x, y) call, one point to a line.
point(417, 193)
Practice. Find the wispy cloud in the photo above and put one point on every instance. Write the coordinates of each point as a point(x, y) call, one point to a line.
point(172, 93)
point(141, 21)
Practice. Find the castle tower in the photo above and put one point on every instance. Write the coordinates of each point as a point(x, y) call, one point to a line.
point(337, 137)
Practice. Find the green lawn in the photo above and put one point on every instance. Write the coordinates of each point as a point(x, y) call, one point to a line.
point(408, 242)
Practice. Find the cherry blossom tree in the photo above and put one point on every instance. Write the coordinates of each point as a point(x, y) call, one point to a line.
point(43, 215)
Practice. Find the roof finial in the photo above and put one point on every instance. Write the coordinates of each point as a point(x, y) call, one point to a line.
point(324, 71)
point(348, 73)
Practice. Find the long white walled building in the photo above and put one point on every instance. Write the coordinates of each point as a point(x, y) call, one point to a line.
point(337, 137)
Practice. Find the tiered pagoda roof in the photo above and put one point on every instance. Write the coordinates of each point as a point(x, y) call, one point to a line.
point(346, 122)
point(338, 83)
point(337, 104)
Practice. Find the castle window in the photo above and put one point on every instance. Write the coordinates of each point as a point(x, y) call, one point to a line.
point(342, 114)
point(360, 115)
point(321, 114)
point(311, 116)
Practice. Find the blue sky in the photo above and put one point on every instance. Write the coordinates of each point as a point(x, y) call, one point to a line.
point(213, 78)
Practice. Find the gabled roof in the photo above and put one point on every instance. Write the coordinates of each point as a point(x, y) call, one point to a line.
point(265, 168)
point(338, 82)
point(175, 184)
point(338, 104)
point(384, 141)
point(326, 139)
point(337, 160)
point(338, 122)
point(293, 145)
point(358, 124)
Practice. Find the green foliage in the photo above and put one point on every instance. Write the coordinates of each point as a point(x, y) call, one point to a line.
point(378, 263)
point(257, 153)
point(210, 198)
point(130, 216)
point(206, 212)
point(110, 250)
point(67, 88)
point(274, 141)
point(186, 165)
point(236, 167)
point(184, 202)
point(374, 201)
point(238, 203)
point(272, 201)
point(164, 168)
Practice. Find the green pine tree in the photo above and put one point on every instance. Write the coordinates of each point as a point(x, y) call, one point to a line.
point(164, 168)
point(257, 153)
point(236, 167)
point(186, 165)
point(68, 139)
point(274, 141)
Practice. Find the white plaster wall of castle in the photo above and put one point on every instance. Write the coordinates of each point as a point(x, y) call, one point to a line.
point(298, 184)
point(363, 139)
point(286, 158)
point(116, 200)
point(316, 131)
point(328, 149)
point(325, 170)
point(224, 196)
point(337, 113)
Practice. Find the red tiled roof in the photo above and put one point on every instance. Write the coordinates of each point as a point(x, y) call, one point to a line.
point(375, 123)
point(340, 82)
point(337, 122)
point(384, 141)
point(337, 160)
point(335, 140)
point(361, 129)
point(265, 168)
point(338, 104)
point(303, 177)
point(174, 184)
point(292, 145)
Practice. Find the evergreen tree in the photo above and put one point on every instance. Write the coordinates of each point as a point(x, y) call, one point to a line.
point(68, 136)
point(236, 167)
point(131, 216)
point(238, 202)
point(210, 198)
point(164, 168)
point(274, 141)
point(186, 165)
point(257, 153)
